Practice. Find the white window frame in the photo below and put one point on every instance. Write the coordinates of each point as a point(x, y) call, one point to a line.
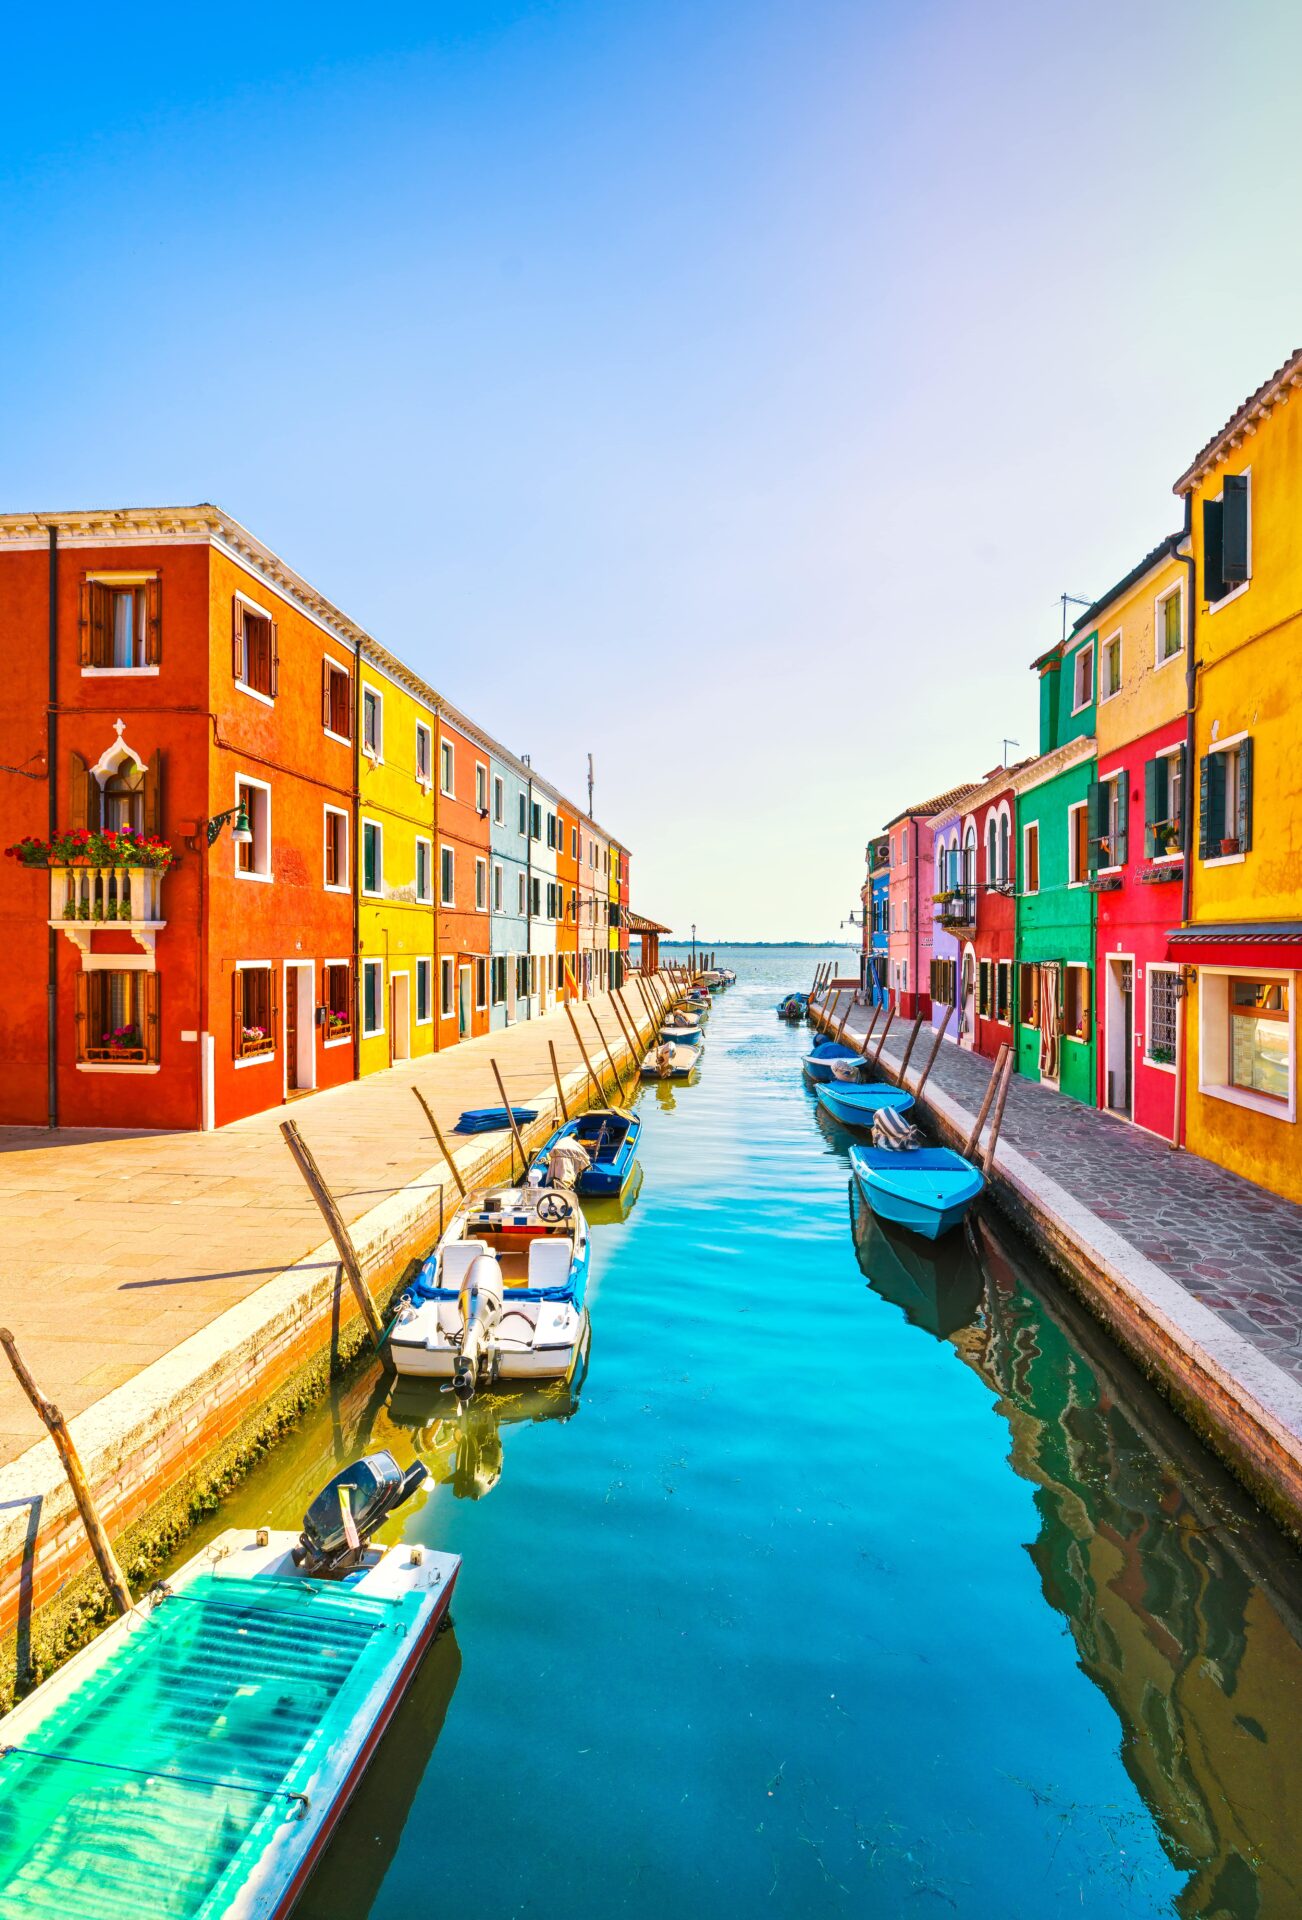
point(481, 785)
point(376, 892)
point(449, 854)
point(1120, 637)
point(1079, 806)
point(499, 801)
point(448, 761)
point(1228, 745)
point(1159, 606)
point(260, 1059)
point(1030, 827)
point(425, 899)
point(1078, 966)
point(499, 887)
point(1213, 1038)
point(259, 613)
point(447, 989)
point(424, 970)
point(374, 754)
point(481, 884)
point(104, 579)
point(337, 666)
point(371, 1033)
point(480, 964)
point(1214, 606)
point(1158, 966)
point(1081, 653)
point(265, 875)
point(346, 884)
point(425, 781)
point(345, 1039)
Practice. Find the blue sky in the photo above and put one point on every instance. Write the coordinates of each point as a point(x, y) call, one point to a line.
point(728, 389)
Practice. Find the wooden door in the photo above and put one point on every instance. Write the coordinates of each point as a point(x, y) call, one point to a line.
point(291, 1030)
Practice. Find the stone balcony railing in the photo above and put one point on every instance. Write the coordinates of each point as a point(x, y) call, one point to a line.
point(86, 899)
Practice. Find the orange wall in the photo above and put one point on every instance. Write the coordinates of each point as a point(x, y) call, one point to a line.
point(567, 927)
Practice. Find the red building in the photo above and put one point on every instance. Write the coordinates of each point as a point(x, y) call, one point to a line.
point(979, 907)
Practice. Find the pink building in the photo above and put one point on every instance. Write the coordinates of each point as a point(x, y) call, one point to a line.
point(912, 907)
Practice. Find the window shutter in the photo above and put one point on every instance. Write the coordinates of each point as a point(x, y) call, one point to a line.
point(1119, 852)
point(101, 624)
point(78, 793)
point(1234, 529)
point(1204, 805)
point(83, 622)
point(237, 637)
point(1155, 803)
point(237, 1012)
point(153, 621)
point(1213, 579)
point(1086, 1002)
point(151, 1018)
point(325, 693)
point(153, 793)
point(273, 983)
point(81, 1011)
point(274, 644)
point(1244, 804)
point(1096, 817)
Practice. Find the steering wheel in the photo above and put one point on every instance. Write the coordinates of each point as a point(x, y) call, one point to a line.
point(553, 1207)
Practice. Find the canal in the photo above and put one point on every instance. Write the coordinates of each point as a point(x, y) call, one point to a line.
point(855, 1579)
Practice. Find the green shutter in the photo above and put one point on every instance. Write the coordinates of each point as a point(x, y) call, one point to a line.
point(1244, 803)
point(1154, 802)
point(1096, 820)
point(1119, 851)
point(1234, 529)
point(1211, 804)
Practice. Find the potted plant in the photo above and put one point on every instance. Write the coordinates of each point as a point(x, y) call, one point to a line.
point(1168, 837)
point(1230, 844)
point(1162, 1056)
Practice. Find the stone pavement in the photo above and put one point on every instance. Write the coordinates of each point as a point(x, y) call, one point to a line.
point(1234, 1247)
point(117, 1246)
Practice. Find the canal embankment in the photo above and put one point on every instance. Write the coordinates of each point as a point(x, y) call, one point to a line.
point(175, 1294)
point(1196, 1272)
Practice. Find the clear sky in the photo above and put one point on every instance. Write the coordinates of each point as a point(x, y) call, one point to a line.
point(728, 389)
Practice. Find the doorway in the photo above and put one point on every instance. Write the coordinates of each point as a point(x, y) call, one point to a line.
point(463, 1001)
point(967, 1023)
point(300, 1027)
point(1119, 1088)
point(1050, 1018)
point(400, 1022)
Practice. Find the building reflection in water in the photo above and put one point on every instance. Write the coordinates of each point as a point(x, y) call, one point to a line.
point(1184, 1604)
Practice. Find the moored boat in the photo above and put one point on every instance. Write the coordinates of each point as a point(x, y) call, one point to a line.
point(193, 1760)
point(927, 1189)
point(607, 1138)
point(858, 1106)
point(670, 1061)
point(681, 1029)
point(501, 1295)
point(794, 1007)
point(818, 1064)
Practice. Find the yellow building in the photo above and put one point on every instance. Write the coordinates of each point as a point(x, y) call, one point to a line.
point(1242, 948)
point(395, 863)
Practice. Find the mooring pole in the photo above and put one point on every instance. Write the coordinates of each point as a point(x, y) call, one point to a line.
point(863, 1045)
point(443, 1145)
point(890, 1015)
point(913, 1037)
point(334, 1220)
point(996, 1118)
point(510, 1114)
point(997, 1069)
point(610, 1058)
point(556, 1075)
point(935, 1048)
point(597, 1087)
point(100, 1545)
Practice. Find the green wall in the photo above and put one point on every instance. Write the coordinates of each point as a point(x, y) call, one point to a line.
point(1057, 923)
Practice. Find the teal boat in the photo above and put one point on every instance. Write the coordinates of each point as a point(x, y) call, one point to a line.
point(855, 1105)
point(927, 1189)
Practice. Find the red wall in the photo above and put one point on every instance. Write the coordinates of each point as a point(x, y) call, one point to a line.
point(996, 925)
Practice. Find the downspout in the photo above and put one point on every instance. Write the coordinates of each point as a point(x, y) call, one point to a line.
point(1186, 825)
point(355, 850)
point(528, 889)
point(52, 786)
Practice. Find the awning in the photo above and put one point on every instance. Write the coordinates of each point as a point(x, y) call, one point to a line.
point(1246, 943)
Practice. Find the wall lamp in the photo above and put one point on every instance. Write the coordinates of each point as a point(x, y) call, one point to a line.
point(1187, 977)
point(241, 832)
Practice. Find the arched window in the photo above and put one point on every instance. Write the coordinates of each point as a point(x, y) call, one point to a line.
point(1005, 845)
point(992, 848)
point(969, 868)
point(122, 800)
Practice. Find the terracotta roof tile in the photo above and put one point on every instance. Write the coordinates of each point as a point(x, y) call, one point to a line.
point(1270, 393)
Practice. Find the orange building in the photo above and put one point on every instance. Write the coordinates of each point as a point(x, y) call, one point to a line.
point(567, 884)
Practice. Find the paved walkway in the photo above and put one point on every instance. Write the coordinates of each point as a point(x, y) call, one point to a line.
point(117, 1246)
point(1234, 1247)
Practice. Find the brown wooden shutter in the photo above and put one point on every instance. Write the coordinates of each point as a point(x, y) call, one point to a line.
point(153, 621)
point(78, 793)
point(237, 637)
point(273, 643)
point(101, 624)
point(237, 1012)
point(83, 622)
point(273, 982)
point(81, 1011)
point(151, 1017)
point(325, 694)
point(1086, 1002)
point(153, 807)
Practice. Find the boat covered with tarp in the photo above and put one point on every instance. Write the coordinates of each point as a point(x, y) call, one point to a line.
point(818, 1064)
point(593, 1154)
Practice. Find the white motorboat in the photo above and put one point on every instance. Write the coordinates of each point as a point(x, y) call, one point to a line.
point(501, 1296)
point(670, 1061)
point(682, 1029)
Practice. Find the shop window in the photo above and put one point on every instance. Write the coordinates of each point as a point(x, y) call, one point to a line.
point(120, 624)
point(1076, 1002)
point(254, 658)
point(337, 986)
point(1225, 800)
point(1030, 996)
point(336, 699)
point(1259, 1037)
point(117, 1018)
point(253, 1023)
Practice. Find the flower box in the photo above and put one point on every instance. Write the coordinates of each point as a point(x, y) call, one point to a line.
point(1154, 876)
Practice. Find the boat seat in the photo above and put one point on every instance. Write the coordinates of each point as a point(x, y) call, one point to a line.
point(549, 1263)
point(458, 1258)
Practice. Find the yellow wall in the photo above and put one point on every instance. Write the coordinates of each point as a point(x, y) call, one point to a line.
point(396, 928)
point(1151, 695)
point(1249, 652)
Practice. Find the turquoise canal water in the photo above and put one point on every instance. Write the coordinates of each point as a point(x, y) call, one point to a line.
point(855, 1580)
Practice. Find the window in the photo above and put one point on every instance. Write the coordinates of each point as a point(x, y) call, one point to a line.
point(499, 801)
point(447, 769)
point(992, 850)
point(1168, 624)
point(337, 991)
point(1108, 806)
point(904, 976)
point(253, 648)
point(372, 723)
point(253, 857)
point(372, 997)
point(424, 872)
point(1004, 992)
point(336, 850)
point(1227, 540)
point(1110, 667)
point(574, 843)
point(551, 829)
point(121, 800)
point(1005, 847)
point(1031, 857)
point(336, 699)
point(524, 814)
point(498, 885)
point(447, 877)
point(1076, 1002)
point(1259, 1037)
point(1163, 1013)
point(522, 977)
point(1082, 677)
point(481, 787)
point(117, 1018)
point(481, 982)
point(481, 886)
point(522, 908)
point(1030, 996)
point(120, 623)
point(1078, 845)
point(372, 857)
point(1164, 805)
point(445, 989)
point(943, 982)
point(535, 819)
point(253, 1023)
point(424, 753)
point(424, 1011)
point(986, 989)
point(535, 899)
point(1225, 800)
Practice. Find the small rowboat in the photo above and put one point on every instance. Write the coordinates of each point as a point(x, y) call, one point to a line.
point(818, 1064)
point(856, 1106)
point(193, 1760)
point(670, 1061)
point(681, 1030)
point(927, 1189)
point(608, 1137)
point(793, 1007)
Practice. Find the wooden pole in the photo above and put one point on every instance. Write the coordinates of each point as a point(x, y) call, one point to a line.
point(975, 1134)
point(997, 1117)
point(443, 1145)
point(935, 1045)
point(840, 1032)
point(100, 1545)
point(596, 1084)
point(334, 1220)
point(646, 1002)
point(630, 1040)
point(556, 1074)
point(913, 1038)
point(890, 1015)
point(631, 1016)
point(877, 1014)
point(610, 1058)
point(510, 1114)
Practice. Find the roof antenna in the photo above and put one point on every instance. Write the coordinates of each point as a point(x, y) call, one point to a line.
point(1007, 745)
point(1071, 600)
point(589, 786)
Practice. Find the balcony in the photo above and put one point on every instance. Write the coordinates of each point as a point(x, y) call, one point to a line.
point(86, 898)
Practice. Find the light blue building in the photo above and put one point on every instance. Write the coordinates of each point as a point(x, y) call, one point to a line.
point(878, 942)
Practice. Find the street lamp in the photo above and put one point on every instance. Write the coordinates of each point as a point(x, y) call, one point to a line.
point(241, 832)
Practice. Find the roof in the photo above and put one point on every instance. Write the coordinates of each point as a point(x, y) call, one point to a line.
point(1270, 394)
point(939, 803)
point(1261, 933)
point(1000, 781)
point(1151, 559)
point(638, 923)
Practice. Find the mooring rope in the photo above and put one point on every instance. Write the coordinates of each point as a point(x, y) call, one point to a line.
point(163, 1773)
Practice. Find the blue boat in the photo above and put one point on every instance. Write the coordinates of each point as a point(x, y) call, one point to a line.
point(855, 1105)
point(794, 1007)
point(493, 1119)
point(610, 1139)
point(927, 1189)
point(818, 1064)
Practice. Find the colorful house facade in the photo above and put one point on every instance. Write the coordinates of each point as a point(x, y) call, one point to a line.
point(875, 898)
point(976, 883)
point(911, 904)
point(508, 847)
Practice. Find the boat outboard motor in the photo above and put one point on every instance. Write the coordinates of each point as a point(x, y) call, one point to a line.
point(481, 1305)
point(338, 1524)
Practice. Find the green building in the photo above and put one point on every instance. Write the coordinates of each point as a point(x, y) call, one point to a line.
point(1055, 903)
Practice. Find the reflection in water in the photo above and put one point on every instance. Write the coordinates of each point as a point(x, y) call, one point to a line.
point(610, 1210)
point(1185, 1612)
point(462, 1446)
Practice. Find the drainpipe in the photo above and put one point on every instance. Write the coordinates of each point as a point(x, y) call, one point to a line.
point(1186, 825)
point(355, 852)
point(52, 787)
point(528, 889)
